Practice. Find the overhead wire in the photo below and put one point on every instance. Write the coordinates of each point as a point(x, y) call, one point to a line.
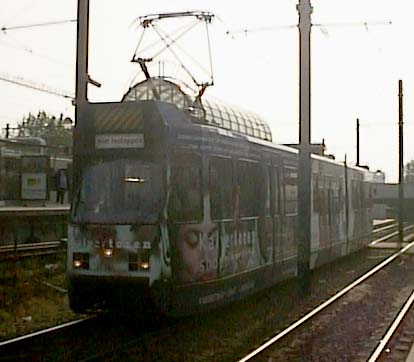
point(28, 26)
point(22, 47)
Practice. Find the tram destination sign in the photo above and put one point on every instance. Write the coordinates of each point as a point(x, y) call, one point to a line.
point(126, 140)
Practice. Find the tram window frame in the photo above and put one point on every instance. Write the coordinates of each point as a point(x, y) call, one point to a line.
point(187, 182)
point(336, 189)
point(266, 186)
point(276, 190)
point(248, 187)
point(316, 193)
point(291, 203)
point(221, 191)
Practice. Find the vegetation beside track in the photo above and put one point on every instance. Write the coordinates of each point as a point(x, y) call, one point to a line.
point(28, 301)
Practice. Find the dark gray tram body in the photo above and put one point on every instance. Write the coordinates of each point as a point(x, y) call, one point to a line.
point(180, 213)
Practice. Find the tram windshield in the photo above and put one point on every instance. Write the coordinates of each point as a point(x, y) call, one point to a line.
point(123, 191)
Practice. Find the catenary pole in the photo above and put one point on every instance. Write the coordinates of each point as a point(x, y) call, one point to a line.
point(401, 165)
point(81, 97)
point(304, 182)
point(357, 141)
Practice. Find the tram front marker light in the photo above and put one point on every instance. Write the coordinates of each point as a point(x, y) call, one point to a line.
point(108, 253)
point(139, 261)
point(80, 261)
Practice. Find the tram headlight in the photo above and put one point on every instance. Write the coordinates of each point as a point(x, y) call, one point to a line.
point(108, 253)
point(139, 261)
point(80, 261)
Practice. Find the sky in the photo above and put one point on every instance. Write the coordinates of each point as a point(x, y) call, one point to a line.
point(357, 61)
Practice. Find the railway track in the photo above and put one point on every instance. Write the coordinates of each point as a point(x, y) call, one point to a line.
point(110, 340)
point(303, 331)
point(28, 347)
point(8, 252)
point(86, 339)
point(399, 337)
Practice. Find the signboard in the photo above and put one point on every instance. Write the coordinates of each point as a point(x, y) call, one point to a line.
point(34, 186)
point(127, 140)
point(33, 180)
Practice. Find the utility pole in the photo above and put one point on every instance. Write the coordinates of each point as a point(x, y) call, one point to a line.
point(357, 146)
point(401, 166)
point(305, 170)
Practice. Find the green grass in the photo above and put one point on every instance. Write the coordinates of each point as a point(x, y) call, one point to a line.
point(26, 303)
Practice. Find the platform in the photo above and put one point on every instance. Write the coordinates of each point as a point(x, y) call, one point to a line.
point(29, 224)
point(47, 210)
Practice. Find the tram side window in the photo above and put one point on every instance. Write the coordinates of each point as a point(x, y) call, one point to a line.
point(185, 202)
point(249, 182)
point(291, 190)
point(221, 188)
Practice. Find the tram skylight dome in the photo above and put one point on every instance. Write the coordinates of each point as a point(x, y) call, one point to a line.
point(216, 113)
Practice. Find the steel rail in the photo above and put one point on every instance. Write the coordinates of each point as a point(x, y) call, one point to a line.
point(29, 246)
point(31, 249)
point(328, 302)
point(389, 236)
point(45, 331)
point(391, 330)
point(384, 228)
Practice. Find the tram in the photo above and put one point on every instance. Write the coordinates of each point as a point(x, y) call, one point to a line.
point(184, 206)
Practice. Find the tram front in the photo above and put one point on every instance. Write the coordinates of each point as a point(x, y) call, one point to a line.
point(118, 252)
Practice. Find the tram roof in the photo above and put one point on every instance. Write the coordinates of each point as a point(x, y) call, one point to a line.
point(214, 113)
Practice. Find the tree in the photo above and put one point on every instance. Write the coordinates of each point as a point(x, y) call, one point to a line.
point(57, 132)
point(409, 172)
